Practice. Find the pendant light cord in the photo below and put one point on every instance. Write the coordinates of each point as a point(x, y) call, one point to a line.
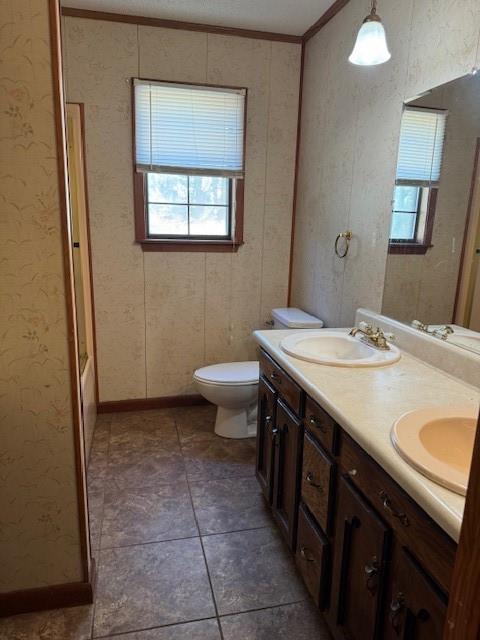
point(374, 7)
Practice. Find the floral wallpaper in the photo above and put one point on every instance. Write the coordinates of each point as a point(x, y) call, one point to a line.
point(159, 316)
point(39, 533)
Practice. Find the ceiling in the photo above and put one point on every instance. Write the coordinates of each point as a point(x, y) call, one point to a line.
point(292, 17)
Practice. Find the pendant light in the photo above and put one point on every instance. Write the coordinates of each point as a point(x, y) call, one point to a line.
point(371, 45)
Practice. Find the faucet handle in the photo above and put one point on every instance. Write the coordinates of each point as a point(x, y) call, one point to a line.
point(417, 324)
point(365, 326)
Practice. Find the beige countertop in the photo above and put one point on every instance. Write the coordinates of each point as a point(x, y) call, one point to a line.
point(367, 401)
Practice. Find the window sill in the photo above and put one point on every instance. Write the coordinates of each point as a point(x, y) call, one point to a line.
point(205, 246)
point(408, 248)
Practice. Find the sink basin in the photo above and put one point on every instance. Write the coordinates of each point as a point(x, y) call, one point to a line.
point(438, 442)
point(336, 349)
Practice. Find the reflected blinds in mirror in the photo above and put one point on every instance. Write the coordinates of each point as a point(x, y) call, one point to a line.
point(189, 129)
point(421, 146)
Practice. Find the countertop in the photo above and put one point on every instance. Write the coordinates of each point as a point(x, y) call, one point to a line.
point(366, 402)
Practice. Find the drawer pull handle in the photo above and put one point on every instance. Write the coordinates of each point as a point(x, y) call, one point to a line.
point(396, 608)
point(310, 479)
point(304, 554)
point(268, 419)
point(315, 423)
point(387, 505)
point(352, 473)
point(371, 573)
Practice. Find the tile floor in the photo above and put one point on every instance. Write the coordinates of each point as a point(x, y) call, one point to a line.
point(185, 547)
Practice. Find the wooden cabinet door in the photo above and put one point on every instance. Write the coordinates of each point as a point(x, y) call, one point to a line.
point(415, 608)
point(361, 547)
point(286, 492)
point(267, 400)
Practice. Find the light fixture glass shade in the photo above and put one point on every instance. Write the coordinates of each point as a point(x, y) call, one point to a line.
point(371, 45)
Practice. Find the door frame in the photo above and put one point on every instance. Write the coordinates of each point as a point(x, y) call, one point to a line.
point(472, 223)
point(77, 111)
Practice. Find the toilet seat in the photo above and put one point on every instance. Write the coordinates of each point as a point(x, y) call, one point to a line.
point(229, 374)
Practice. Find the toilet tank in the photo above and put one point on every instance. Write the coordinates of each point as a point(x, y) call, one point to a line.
point(293, 318)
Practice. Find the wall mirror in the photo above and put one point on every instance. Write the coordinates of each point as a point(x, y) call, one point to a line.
point(433, 264)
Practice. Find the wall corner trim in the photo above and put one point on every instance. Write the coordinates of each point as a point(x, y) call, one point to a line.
point(143, 404)
point(53, 597)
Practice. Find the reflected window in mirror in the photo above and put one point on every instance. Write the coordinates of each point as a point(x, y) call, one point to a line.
point(418, 173)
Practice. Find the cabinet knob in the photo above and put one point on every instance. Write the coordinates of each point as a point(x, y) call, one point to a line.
point(311, 481)
point(352, 473)
point(304, 554)
point(396, 609)
point(274, 376)
point(371, 573)
point(315, 423)
point(387, 505)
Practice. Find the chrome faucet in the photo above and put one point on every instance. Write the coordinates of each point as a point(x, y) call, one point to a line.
point(373, 336)
point(438, 332)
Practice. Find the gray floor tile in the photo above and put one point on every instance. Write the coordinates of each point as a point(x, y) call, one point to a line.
point(147, 515)
point(216, 458)
point(290, 622)
point(250, 570)
point(74, 623)
point(196, 423)
point(144, 467)
point(151, 585)
point(202, 630)
point(95, 512)
point(232, 504)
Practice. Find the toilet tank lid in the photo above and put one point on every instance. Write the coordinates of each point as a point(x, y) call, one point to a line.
point(296, 318)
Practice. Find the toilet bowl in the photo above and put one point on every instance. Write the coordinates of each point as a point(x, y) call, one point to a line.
point(233, 387)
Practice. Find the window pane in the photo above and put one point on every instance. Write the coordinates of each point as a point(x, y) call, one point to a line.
point(167, 219)
point(403, 226)
point(208, 190)
point(406, 199)
point(165, 187)
point(208, 221)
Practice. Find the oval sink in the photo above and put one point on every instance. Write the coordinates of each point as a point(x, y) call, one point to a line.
point(438, 442)
point(336, 349)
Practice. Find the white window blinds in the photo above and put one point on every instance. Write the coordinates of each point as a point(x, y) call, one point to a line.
point(421, 146)
point(189, 129)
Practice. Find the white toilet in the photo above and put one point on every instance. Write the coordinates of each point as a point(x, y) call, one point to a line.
point(233, 386)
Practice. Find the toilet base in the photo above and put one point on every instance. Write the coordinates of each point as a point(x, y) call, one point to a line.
point(236, 423)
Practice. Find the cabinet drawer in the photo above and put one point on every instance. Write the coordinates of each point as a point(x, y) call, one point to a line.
point(317, 482)
point(432, 547)
point(286, 387)
point(321, 425)
point(312, 558)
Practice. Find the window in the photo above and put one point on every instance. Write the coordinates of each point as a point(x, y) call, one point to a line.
point(189, 166)
point(418, 173)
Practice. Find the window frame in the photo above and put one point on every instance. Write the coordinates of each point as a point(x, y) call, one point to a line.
point(184, 243)
point(405, 247)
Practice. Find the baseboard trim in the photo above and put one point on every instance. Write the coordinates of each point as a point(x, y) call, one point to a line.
point(57, 596)
point(142, 404)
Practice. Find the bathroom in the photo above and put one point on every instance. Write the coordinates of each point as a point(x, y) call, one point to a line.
point(207, 349)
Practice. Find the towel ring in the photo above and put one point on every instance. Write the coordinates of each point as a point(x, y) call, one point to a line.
point(347, 235)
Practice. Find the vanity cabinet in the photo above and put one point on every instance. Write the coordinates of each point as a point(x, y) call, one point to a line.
point(361, 550)
point(279, 445)
point(286, 467)
point(373, 561)
point(267, 405)
point(415, 608)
